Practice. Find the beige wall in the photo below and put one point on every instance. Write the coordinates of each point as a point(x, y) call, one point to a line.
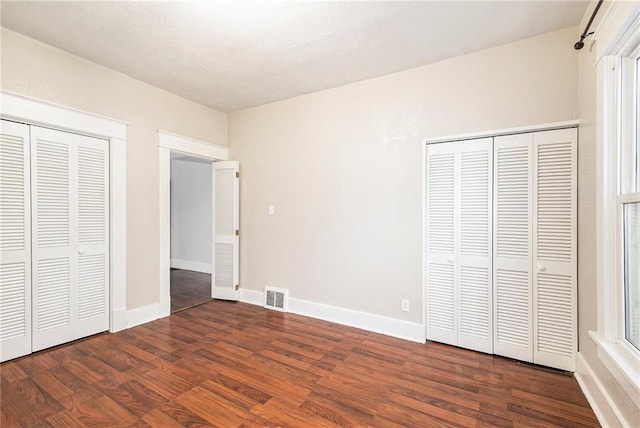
point(37, 70)
point(343, 168)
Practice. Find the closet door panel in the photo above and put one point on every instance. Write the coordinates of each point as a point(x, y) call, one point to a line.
point(15, 241)
point(474, 255)
point(52, 237)
point(513, 165)
point(70, 236)
point(554, 273)
point(441, 236)
point(92, 176)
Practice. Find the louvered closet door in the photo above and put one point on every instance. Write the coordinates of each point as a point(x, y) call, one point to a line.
point(15, 241)
point(474, 254)
point(554, 252)
point(70, 236)
point(441, 211)
point(226, 223)
point(513, 232)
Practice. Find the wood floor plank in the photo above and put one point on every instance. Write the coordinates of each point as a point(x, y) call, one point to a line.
point(237, 365)
point(51, 385)
point(156, 418)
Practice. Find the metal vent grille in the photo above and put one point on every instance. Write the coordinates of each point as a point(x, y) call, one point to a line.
point(276, 298)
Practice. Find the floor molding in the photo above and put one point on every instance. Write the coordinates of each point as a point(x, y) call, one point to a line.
point(191, 265)
point(252, 297)
point(598, 397)
point(148, 313)
point(375, 323)
point(118, 319)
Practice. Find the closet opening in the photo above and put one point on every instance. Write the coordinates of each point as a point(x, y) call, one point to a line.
point(190, 231)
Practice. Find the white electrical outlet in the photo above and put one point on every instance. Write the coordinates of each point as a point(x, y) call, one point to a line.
point(405, 305)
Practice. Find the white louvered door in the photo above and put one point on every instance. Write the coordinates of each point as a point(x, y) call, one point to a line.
point(15, 241)
point(474, 255)
point(501, 246)
point(441, 211)
point(554, 250)
point(70, 236)
point(512, 234)
point(226, 223)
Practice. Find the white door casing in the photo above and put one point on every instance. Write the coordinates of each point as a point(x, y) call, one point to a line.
point(226, 223)
point(15, 241)
point(70, 236)
point(169, 142)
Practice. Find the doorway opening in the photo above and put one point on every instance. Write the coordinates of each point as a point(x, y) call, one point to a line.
point(190, 231)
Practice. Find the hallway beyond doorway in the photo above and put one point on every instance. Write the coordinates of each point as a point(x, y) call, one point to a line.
point(189, 288)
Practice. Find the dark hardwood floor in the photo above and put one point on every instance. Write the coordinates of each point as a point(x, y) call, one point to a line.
point(232, 364)
point(189, 288)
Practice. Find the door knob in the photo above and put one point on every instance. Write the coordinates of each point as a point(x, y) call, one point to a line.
point(450, 259)
point(81, 251)
point(541, 267)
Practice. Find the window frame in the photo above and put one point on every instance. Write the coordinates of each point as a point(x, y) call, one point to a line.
point(617, 118)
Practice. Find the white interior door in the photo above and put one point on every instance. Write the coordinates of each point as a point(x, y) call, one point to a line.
point(226, 233)
point(554, 251)
point(474, 247)
point(15, 241)
point(513, 233)
point(70, 236)
point(441, 212)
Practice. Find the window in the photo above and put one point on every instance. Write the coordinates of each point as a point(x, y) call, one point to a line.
point(618, 195)
point(631, 253)
point(628, 198)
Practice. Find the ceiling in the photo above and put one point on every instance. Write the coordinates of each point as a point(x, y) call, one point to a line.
point(230, 55)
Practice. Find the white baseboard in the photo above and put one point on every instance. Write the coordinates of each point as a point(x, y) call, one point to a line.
point(252, 296)
point(597, 395)
point(118, 320)
point(191, 265)
point(407, 330)
point(148, 313)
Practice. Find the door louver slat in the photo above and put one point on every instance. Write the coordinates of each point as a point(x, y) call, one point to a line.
point(441, 296)
point(224, 202)
point(512, 214)
point(441, 183)
point(475, 310)
point(12, 193)
point(224, 265)
point(54, 293)
point(12, 301)
point(91, 291)
point(475, 203)
point(91, 195)
point(554, 202)
point(512, 320)
point(53, 211)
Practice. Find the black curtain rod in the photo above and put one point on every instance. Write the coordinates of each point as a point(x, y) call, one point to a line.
point(580, 44)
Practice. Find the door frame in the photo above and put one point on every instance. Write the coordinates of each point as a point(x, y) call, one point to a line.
point(169, 142)
point(32, 111)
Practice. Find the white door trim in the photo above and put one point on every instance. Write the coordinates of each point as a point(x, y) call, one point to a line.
point(167, 143)
point(37, 112)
